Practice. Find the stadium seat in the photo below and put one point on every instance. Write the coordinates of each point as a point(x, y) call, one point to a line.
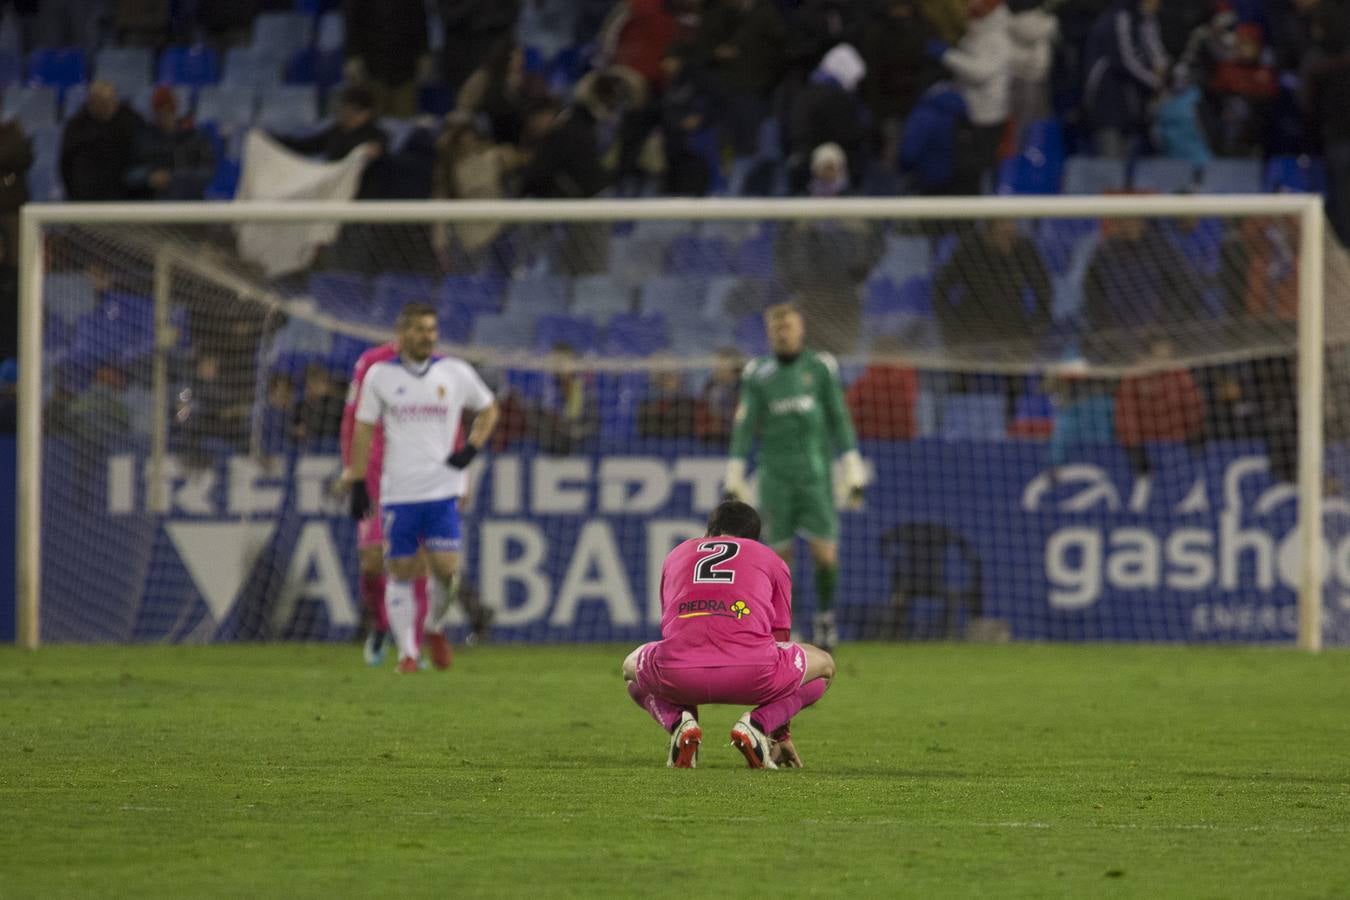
point(1232, 176)
point(456, 321)
point(691, 254)
point(128, 68)
point(314, 66)
point(393, 290)
point(32, 105)
point(225, 105)
point(883, 297)
point(694, 335)
point(59, 68)
point(674, 296)
point(68, 295)
point(346, 295)
point(480, 294)
point(280, 35)
point(289, 109)
point(1296, 174)
point(73, 97)
point(346, 351)
point(192, 65)
point(749, 336)
point(579, 332)
point(247, 67)
point(501, 330)
point(600, 296)
point(1038, 167)
point(754, 256)
point(1093, 175)
point(332, 32)
point(904, 257)
point(618, 396)
point(1162, 175)
point(43, 183)
point(972, 417)
point(633, 334)
point(1058, 240)
point(536, 296)
point(143, 100)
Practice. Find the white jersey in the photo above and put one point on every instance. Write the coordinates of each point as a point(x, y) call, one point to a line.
point(421, 411)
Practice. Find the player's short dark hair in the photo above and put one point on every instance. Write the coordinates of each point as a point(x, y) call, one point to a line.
point(411, 312)
point(732, 518)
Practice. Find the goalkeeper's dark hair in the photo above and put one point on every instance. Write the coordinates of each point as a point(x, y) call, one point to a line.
point(411, 312)
point(732, 518)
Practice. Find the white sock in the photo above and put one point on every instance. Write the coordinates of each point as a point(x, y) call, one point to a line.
point(402, 611)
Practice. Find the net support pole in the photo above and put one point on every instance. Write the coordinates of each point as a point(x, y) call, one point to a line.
point(159, 384)
point(1310, 419)
point(28, 560)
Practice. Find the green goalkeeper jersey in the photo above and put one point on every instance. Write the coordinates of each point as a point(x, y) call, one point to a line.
point(798, 411)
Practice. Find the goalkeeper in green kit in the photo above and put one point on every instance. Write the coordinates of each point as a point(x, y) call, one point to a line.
point(794, 402)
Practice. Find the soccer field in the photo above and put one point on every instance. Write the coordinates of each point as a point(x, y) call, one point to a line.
point(932, 770)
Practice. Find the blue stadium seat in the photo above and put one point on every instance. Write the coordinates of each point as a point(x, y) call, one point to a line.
point(618, 395)
point(973, 417)
point(691, 254)
point(904, 257)
point(227, 106)
point(1038, 167)
point(346, 351)
point(128, 68)
point(72, 99)
point(536, 296)
point(501, 330)
point(59, 68)
point(1058, 240)
point(633, 334)
point(346, 295)
point(314, 66)
point(754, 256)
point(289, 109)
point(332, 33)
point(479, 293)
point(883, 297)
point(1093, 175)
point(120, 330)
point(674, 296)
point(748, 335)
point(693, 335)
point(194, 65)
point(456, 321)
point(280, 35)
point(43, 183)
point(1034, 406)
point(600, 296)
point(393, 290)
point(225, 181)
point(68, 295)
point(247, 67)
point(1163, 175)
point(578, 331)
point(33, 106)
point(1296, 174)
point(1232, 176)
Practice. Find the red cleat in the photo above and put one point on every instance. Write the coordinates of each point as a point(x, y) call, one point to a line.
point(441, 655)
point(407, 665)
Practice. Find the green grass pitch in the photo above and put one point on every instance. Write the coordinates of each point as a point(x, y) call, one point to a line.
point(933, 770)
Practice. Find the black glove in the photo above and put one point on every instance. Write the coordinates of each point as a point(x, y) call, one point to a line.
point(360, 500)
point(462, 457)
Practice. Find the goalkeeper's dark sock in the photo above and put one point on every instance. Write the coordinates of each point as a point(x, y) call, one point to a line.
point(827, 577)
point(770, 717)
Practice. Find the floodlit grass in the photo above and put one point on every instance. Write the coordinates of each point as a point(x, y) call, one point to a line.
point(931, 771)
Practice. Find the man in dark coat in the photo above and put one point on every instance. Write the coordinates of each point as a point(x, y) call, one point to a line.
point(97, 146)
point(385, 41)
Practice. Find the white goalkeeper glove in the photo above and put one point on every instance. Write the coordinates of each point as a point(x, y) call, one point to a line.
point(734, 486)
point(855, 477)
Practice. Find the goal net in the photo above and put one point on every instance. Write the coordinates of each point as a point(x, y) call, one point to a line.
point(1081, 419)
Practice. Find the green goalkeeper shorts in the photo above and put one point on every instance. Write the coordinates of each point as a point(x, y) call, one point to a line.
point(789, 507)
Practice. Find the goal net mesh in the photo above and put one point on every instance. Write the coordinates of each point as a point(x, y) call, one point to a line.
point(1073, 428)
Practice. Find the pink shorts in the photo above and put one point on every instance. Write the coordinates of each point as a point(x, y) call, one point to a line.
point(370, 530)
point(735, 685)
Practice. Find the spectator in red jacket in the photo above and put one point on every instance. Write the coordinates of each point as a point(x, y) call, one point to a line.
point(883, 398)
point(1159, 405)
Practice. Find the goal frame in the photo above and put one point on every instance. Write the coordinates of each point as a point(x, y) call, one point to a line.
point(1307, 208)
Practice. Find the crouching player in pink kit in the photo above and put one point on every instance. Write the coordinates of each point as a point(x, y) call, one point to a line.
point(726, 611)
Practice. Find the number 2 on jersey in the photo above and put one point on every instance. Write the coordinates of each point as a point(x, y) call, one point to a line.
point(706, 570)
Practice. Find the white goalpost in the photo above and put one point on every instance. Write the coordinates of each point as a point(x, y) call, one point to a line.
point(1100, 463)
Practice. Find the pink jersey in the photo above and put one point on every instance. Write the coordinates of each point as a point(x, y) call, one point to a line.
point(368, 359)
point(722, 599)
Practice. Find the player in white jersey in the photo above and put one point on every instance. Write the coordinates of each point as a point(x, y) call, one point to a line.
point(420, 398)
